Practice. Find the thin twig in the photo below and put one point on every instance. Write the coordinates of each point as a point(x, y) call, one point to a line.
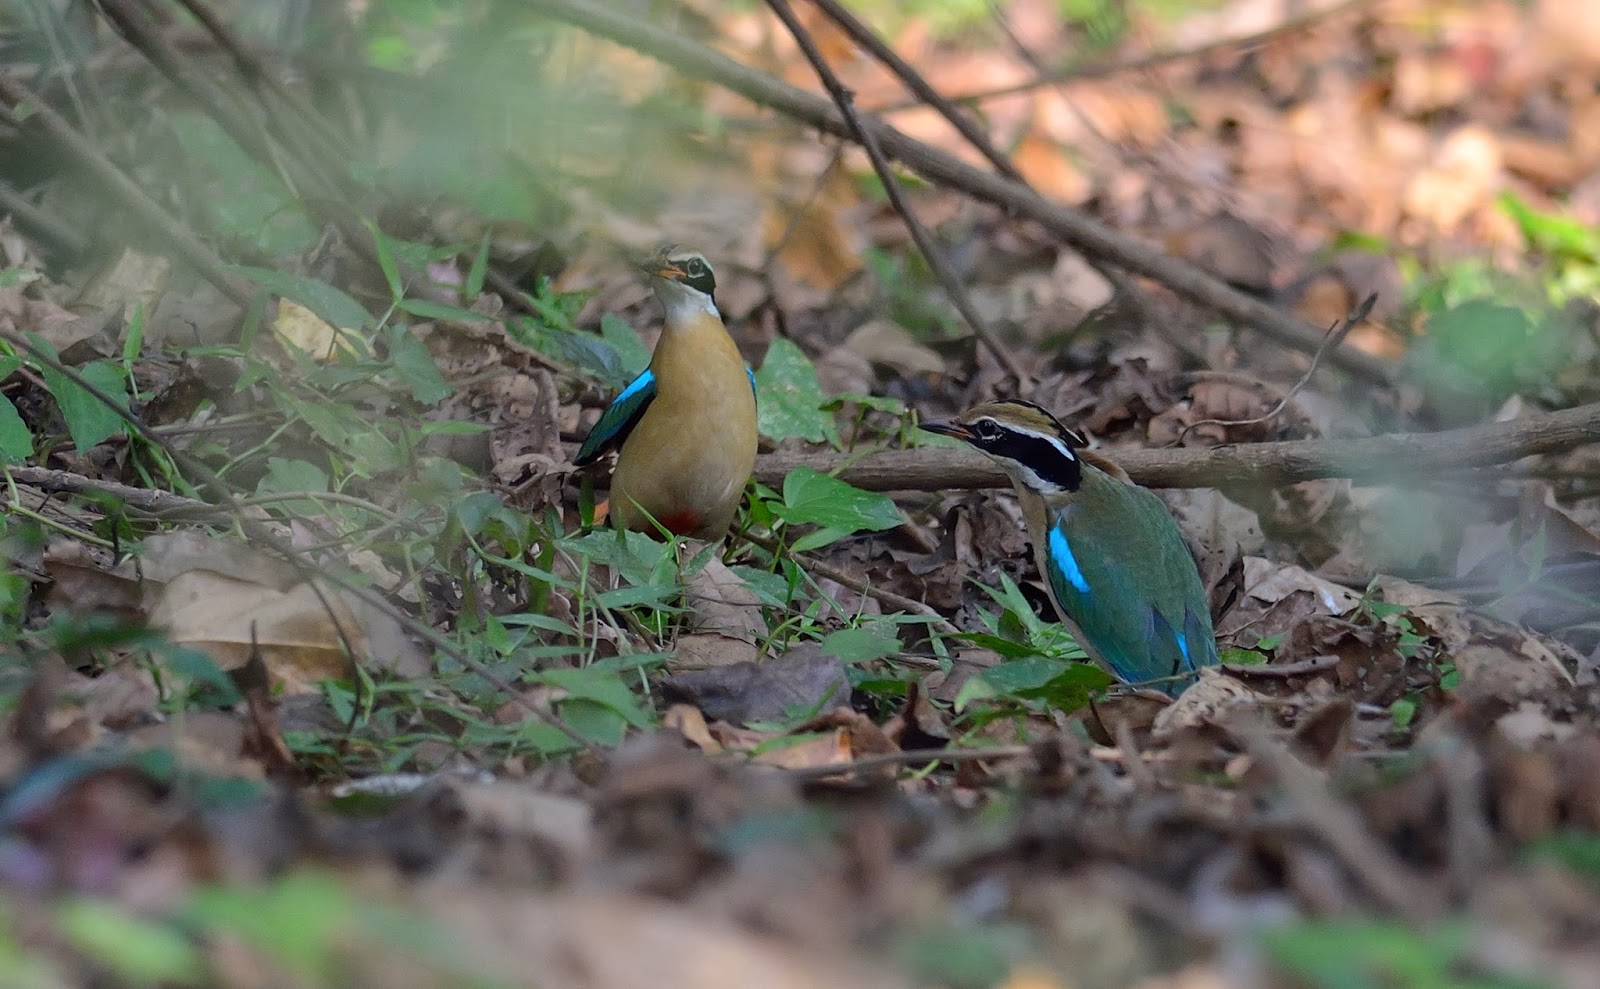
point(910, 756)
point(1335, 336)
point(124, 189)
point(843, 99)
point(1109, 67)
point(1072, 227)
point(263, 536)
point(958, 118)
point(1316, 664)
point(1380, 459)
point(854, 583)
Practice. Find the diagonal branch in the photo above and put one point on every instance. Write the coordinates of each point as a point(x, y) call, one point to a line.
point(1072, 227)
point(843, 99)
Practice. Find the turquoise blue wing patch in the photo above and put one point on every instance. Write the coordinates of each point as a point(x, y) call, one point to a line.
point(619, 419)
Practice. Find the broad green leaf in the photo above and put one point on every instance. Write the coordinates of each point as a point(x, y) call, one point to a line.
point(864, 643)
point(810, 496)
point(789, 399)
point(16, 443)
point(141, 950)
point(601, 687)
point(413, 364)
point(88, 419)
point(633, 355)
point(321, 298)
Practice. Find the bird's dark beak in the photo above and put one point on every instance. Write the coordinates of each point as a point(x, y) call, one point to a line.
point(954, 429)
point(659, 265)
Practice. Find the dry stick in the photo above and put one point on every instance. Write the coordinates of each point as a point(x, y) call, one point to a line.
point(1085, 235)
point(909, 756)
point(913, 80)
point(1374, 459)
point(954, 115)
point(1153, 60)
point(260, 533)
point(129, 20)
point(174, 233)
point(1336, 334)
point(891, 185)
point(56, 234)
point(1387, 878)
point(254, 70)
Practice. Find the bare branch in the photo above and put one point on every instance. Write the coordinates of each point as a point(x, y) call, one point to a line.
point(891, 185)
point(1378, 459)
point(1072, 227)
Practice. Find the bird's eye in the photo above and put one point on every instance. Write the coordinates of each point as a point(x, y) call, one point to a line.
point(695, 268)
point(987, 429)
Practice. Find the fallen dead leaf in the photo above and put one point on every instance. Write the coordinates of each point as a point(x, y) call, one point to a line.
point(803, 679)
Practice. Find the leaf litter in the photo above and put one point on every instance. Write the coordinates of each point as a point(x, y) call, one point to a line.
point(1391, 779)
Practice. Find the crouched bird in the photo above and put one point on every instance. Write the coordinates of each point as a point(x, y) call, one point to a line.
point(684, 429)
point(1112, 557)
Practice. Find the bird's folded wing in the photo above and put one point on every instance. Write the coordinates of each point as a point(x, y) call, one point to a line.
point(619, 419)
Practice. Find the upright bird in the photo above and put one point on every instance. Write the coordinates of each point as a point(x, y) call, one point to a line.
point(1118, 571)
point(686, 425)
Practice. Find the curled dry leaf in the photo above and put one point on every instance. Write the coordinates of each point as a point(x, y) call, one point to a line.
point(1207, 702)
point(800, 680)
point(217, 596)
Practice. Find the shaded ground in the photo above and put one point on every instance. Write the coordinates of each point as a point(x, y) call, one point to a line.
point(315, 675)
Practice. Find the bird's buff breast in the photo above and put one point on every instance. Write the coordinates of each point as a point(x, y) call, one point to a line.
point(688, 460)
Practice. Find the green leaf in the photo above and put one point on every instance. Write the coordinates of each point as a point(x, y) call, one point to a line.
point(631, 351)
point(321, 298)
point(479, 270)
point(413, 364)
point(1242, 657)
point(862, 644)
point(285, 476)
point(789, 399)
point(810, 496)
point(424, 309)
point(602, 687)
point(386, 263)
point(141, 951)
point(1028, 673)
point(88, 419)
point(16, 443)
point(1403, 712)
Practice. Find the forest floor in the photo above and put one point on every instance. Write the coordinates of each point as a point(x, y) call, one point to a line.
point(317, 671)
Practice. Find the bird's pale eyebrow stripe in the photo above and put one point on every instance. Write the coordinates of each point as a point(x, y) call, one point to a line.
point(1062, 448)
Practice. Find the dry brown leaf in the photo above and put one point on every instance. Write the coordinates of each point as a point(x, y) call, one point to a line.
point(573, 941)
point(1047, 167)
point(80, 584)
point(686, 720)
point(1461, 179)
point(885, 343)
point(800, 680)
point(309, 333)
point(298, 630)
point(720, 602)
point(1272, 582)
point(208, 593)
point(134, 279)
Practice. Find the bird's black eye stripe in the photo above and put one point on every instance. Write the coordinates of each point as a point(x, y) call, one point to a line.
point(1051, 461)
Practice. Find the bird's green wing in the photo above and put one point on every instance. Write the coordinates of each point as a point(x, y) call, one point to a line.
point(619, 419)
point(1119, 569)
